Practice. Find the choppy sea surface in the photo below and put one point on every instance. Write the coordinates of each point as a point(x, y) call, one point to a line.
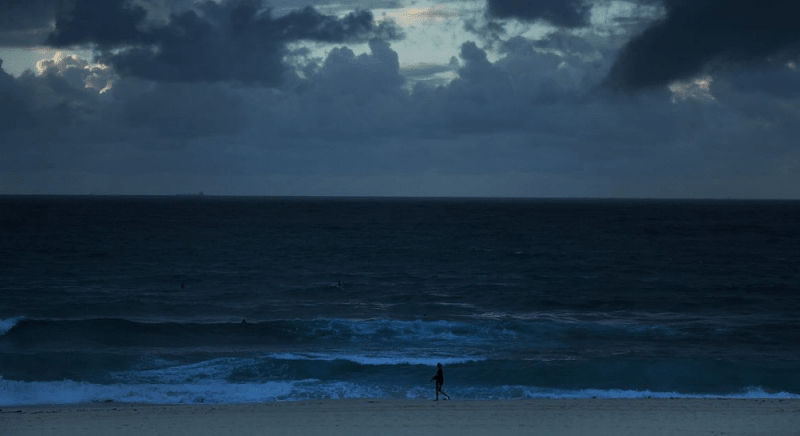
point(232, 300)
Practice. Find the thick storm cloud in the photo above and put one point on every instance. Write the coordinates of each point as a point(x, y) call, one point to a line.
point(13, 109)
point(231, 97)
point(25, 22)
point(235, 40)
point(697, 35)
point(566, 13)
point(107, 23)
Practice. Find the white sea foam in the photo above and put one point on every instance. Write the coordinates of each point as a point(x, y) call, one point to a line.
point(418, 330)
point(529, 392)
point(223, 369)
point(221, 392)
point(214, 369)
point(215, 392)
point(71, 392)
point(383, 359)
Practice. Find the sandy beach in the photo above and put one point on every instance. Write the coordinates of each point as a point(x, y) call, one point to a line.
point(564, 417)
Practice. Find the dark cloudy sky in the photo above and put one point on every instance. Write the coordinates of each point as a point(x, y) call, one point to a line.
point(523, 98)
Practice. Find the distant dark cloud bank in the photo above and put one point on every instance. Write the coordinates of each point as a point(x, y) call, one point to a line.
point(683, 99)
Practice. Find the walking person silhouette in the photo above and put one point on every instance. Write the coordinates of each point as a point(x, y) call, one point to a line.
point(439, 377)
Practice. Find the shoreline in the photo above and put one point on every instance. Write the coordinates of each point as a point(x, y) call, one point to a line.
point(364, 416)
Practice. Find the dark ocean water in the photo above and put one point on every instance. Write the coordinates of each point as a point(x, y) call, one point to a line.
point(143, 298)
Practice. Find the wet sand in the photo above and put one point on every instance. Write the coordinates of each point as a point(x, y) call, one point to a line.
point(563, 417)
